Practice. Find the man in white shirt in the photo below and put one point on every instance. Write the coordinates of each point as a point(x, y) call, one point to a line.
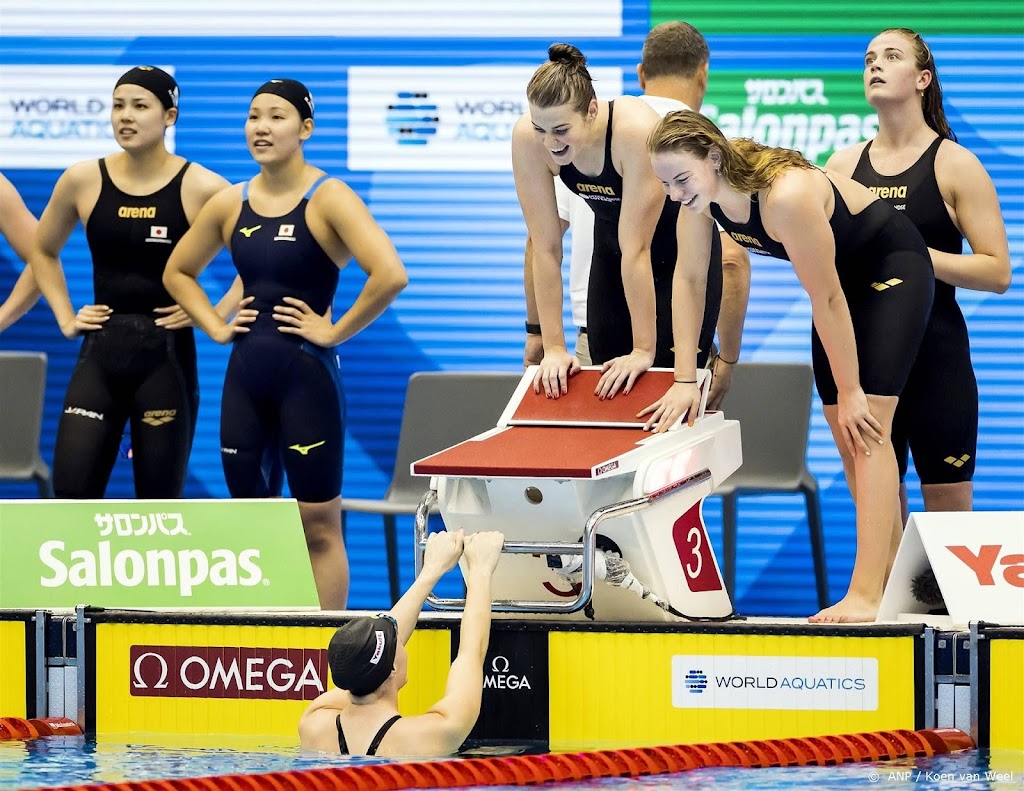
point(673, 75)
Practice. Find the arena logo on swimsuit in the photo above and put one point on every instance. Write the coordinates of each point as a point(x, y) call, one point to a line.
point(744, 239)
point(137, 212)
point(596, 188)
point(890, 192)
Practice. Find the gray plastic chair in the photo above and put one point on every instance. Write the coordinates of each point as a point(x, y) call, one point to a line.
point(442, 408)
point(772, 401)
point(22, 392)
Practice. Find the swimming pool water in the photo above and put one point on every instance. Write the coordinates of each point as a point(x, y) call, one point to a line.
point(59, 761)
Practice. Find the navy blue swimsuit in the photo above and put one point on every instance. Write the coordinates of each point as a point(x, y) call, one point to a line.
point(282, 394)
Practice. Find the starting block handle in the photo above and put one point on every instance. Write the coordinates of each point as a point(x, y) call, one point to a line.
point(586, 547)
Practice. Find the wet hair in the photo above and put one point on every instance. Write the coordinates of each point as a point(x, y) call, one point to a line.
point(292, 91)
point(931, 101)
point(674, 49)
point(747, 166)
point(564, 79)
point(157, 81)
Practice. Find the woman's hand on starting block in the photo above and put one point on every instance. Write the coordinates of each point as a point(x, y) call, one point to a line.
point(622, 372)
point(554, 372)
point(679, 400)
point(483, 551)
point(443, 551)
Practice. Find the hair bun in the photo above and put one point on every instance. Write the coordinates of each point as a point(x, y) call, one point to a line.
point(566, 54)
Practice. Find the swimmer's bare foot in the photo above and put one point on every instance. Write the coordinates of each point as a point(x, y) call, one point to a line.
point(850, 609)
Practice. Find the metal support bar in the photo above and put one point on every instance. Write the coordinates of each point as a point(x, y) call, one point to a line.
point(80, 621)
point(42, 703)
point(586, 547)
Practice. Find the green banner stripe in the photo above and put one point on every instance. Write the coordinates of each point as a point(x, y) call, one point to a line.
point(928, 17)
point(815, 112)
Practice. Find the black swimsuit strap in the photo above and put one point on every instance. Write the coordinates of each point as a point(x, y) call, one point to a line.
point(342, 744)
point(372, 749)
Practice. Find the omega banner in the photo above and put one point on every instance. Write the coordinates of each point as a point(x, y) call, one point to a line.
point(154, 553)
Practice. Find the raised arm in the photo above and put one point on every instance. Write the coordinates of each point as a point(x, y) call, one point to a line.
point(536, 191)
point(448, 722)
point(795, 214)
point(18, 227)
point(440, 556)
point(689, 287)
point(193, 253)
point(987, 266)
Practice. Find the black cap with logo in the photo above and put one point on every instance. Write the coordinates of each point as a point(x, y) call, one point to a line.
point(361, 653)
point(293, 91)
point(156, 81)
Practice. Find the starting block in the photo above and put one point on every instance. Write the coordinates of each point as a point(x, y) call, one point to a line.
point(601, 518)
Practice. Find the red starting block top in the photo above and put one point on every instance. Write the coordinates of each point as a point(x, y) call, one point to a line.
point(533, 452)
point(581, 407)
point(576, 435)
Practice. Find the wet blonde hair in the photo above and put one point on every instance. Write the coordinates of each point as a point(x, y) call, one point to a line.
point(747, 166)
point(931, 99)
point(564, 79)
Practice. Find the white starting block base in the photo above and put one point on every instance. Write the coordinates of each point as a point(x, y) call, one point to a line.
point(540, 481)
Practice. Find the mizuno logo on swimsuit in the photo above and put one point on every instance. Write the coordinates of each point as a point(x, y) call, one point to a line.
point(137, 212)
point(247, 232)
point(305, 449)
point(77, 410)
point(890, 192)
point(157, 417)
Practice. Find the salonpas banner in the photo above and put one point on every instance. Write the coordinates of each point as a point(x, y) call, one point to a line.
point(815, 113)
point(153, 553)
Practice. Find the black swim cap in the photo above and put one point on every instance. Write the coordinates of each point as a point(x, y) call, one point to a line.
point(361, 654)
point(154, 80)
point(292, 90)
